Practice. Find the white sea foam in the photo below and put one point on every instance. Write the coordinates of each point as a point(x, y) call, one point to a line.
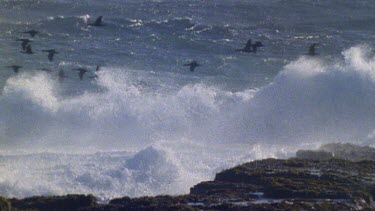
point(132, 138)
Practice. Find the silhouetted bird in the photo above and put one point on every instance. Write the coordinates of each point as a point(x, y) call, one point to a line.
point(24, 43)
point(98, 22)
point(61, 75)
point(15, 68)
point(31, 32)
point(81, 72)
point(51, 53)
point(248, 47)
point(192, 65)
point(96, 70)
point(28, 50)
point(312, 49)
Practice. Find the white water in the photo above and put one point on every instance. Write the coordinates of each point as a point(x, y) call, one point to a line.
point(128, 137)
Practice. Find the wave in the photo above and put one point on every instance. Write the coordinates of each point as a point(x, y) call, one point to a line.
point(311, 100)
point(108, 175)
point(180, 135)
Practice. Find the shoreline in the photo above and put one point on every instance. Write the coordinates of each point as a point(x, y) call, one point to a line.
point(343, 180)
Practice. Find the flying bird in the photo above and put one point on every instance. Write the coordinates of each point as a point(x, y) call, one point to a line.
point(24, 43)
point(28, 50)
point(51, 53)
point(81, 72)
point(192, 65)
point(249, 47)
point(98, 22)
point(312, 50)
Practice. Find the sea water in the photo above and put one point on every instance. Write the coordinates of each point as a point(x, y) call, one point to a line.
point(147, 125)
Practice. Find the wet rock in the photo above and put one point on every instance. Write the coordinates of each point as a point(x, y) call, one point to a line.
point(4, 204)
point(270, 184)
point(57, 203)
point(337, 181)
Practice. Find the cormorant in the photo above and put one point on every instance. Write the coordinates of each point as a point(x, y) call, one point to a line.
point(312, 49)
point(248, 47)
point(31, 32)
point(24, 43)
point(51, 53)
point(15, 68)
point(192, 65)
point(81, 72)
point(28, 50)
point(98, 22)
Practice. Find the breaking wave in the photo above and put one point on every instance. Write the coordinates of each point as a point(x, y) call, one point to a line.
point(133, 137)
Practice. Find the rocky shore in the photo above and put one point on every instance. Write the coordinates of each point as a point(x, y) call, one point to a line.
point(335, 177)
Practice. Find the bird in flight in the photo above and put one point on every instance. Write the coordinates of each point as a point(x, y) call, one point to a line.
point(312, 50)
point(192, 65)
point(249, 47)
point(28, 50)
point(98, 22)
point(51, 53)
point(24, 43)
point(81, 72)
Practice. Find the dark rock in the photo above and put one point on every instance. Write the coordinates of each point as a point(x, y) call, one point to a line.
point(4, 204)
point(57, 203)
point(334, 180)
point(270, 184)
point(163, 202)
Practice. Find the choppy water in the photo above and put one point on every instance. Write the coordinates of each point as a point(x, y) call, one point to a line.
point(147, 125)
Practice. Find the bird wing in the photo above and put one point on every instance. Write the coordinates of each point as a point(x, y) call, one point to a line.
point(50, 56)
point(80, 74)
point(312, 49)
point(23, 44)
point(248, 44)
point(98, 21)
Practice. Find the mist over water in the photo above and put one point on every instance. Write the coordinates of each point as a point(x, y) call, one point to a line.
point(147, 125)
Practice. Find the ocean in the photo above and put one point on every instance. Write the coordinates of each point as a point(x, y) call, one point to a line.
point(147, 125)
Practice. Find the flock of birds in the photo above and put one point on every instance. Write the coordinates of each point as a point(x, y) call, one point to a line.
point(26, 47)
